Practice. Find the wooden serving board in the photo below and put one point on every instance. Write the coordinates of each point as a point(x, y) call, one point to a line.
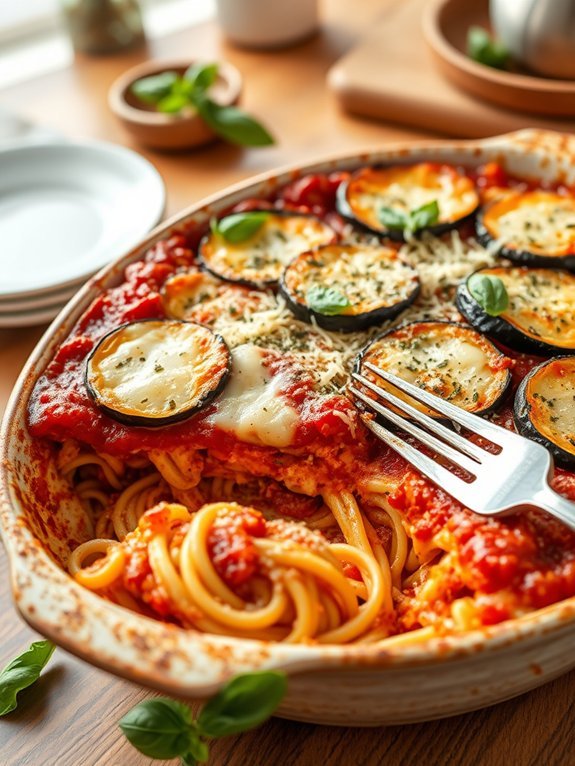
point(391, 76)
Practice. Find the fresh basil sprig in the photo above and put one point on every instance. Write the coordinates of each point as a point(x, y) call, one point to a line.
point(232, 124)
point(412, 221)
point(201, 76)
point(170, 93)
point(22, 672)
point(239, 227)
point(153, 89)
point(481, 47)
point(163, 728)
point(489, 291)
point(327, 300)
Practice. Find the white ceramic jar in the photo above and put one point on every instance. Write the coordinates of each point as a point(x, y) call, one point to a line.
point(267, 23)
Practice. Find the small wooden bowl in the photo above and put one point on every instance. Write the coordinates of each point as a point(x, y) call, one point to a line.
point(169, 131)
point(445, 25)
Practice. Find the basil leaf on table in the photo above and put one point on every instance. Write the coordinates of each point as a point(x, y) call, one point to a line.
point(326, 300)
point(199, 752)
point(201, 76)
point(232, 123)
point(163, 728)
point(489, 291)
point(22, 672)
point(481, 47)
point(239, 227)
point(154, 88)
point(159, 728)
point(245, 702)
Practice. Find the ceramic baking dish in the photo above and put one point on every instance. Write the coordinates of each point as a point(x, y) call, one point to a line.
point(41, 521)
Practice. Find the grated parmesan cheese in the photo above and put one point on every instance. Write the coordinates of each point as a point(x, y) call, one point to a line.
point(263, 318)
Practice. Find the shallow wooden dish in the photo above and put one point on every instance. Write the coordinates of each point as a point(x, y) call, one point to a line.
point(169, 131)
point(445, 25)
point(364, 685)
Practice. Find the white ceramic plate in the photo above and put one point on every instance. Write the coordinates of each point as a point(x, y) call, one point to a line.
point(42, 301)
point(30, 318)
point(68, 209)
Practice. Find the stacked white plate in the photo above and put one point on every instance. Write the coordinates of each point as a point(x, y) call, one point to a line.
point(67, 209)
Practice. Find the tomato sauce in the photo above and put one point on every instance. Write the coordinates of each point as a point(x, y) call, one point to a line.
point(231, 548)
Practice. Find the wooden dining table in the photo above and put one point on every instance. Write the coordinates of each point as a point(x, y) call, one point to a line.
point(70, 716)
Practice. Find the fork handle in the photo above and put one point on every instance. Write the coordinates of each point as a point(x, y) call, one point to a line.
point(556, 505)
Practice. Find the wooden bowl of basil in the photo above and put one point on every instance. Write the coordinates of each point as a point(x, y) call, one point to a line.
point(174, 105)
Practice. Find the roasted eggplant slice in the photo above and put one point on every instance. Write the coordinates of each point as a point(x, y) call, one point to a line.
point(544, 408)
point(447, 359)
point(536, 228)
point(349, 287)
point(540, 316)
point(389, 200)
point(156, 372)
point(183, 292)
point(259, 260)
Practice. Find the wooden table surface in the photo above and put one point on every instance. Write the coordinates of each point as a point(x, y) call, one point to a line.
point(69, 718)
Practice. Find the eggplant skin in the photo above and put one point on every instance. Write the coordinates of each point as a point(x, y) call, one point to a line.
point(498, 328)
point(346, 322)
point(524, 424)
point(495, 403)
point(521, 257)
point(342, 322)
point(344, 209)
point(167, 420)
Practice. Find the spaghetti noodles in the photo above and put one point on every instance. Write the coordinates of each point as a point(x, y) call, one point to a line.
point(272, 513)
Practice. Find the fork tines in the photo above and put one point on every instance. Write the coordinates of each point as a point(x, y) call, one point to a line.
point(427, 430)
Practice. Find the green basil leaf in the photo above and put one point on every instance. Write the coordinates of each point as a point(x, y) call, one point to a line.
point(232, 123)
point(326, 300)
point(423, 216)
point(483, 48)
point(245, 702)
point(239, 227)
point(182, 88)
point(159, 728)
point(188, 760)
point(199, 752)
point(172, 103)
point(489, 292)
point(153, 89)
point(393, 219)
point(22, 672)
point(201, 76)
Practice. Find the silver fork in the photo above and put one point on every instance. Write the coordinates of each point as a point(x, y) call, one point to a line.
point(515, 479)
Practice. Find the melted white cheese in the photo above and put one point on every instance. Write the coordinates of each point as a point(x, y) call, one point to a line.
point(252, 406)
point(406, 189)
point(153, 369)
point(370, 277)
point(541, 303)
point(555, 397)
point(263, 256)
point(444, 361)
point(540, 222)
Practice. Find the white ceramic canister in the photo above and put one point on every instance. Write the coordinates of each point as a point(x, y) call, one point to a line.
point(267, 23)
